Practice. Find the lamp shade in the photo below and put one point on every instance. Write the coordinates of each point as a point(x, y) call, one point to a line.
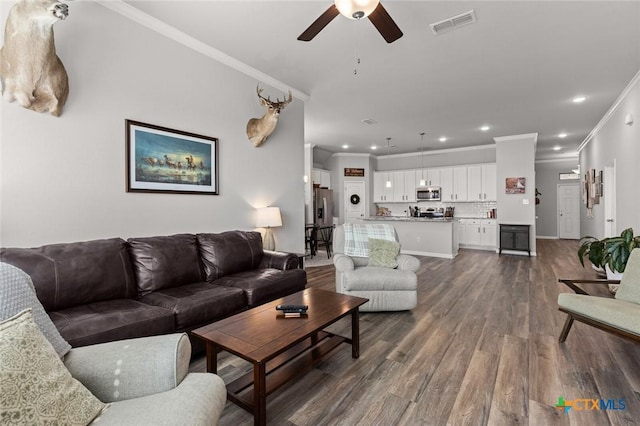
point(268, 217)
point(356, 9)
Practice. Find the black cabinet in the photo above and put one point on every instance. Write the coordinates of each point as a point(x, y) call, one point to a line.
point(514, 237)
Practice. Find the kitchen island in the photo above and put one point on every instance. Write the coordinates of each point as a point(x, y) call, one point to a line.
point(436, 237)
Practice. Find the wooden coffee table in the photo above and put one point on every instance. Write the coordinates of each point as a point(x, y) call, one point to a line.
point(279, 347)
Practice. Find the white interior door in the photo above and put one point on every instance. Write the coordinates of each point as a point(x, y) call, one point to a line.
point(609, 198)
point(569, 211)
point(354, 200)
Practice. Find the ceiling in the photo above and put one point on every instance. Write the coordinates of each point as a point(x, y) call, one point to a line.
point(516, 69)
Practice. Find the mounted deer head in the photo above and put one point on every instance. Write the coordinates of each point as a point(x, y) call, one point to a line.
point(259, 129)
point(30, 71)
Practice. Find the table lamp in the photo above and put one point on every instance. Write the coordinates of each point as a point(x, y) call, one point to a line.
point(268, 217)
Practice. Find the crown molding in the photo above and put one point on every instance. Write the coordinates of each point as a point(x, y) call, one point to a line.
point(437, 151)
point(604, 120)
point(173, 33)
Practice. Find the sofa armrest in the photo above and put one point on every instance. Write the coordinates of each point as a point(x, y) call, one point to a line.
point(342, 262)
point(279, 260)
point(131, 368)
point(408, 263)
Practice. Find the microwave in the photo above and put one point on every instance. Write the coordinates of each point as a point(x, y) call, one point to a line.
point(428, 193)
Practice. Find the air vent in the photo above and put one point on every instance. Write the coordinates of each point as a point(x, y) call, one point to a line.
point(454, 22)
point(369, 121)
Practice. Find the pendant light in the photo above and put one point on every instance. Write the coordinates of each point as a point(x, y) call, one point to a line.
point(388, 183)
point(422, 181)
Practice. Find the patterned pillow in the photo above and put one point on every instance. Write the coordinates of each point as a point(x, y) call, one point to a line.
point(36, 386)
point(383, 253)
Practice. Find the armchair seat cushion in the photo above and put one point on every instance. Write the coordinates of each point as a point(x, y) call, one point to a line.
point(111, 320)
point(263, 285)
point(197, 304)
point(616, 313)
point(375, 278)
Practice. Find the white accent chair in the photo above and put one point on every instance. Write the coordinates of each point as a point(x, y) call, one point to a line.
point(619, 315)
point(387, 289)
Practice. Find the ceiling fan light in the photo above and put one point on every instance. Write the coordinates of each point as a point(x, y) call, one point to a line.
point(356, 9)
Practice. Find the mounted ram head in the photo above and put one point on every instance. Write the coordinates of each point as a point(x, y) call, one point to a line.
point(30, 71)
point(259, 129)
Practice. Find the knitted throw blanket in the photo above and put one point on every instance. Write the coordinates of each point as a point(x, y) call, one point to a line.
point(356, 237)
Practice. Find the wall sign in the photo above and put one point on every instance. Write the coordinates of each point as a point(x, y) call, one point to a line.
point(353, 172)
point(569, 176)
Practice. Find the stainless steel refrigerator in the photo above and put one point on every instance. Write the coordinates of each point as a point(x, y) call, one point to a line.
point(323, 207)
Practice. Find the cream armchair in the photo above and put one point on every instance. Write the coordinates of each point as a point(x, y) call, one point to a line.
point(388, 289)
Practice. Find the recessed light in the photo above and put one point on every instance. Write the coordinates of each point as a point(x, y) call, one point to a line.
point(579, 99)
point(557, 148)
point(562, 135)
point(373, 147)
point(345, 146)
point(485, 128)
point(442, 139)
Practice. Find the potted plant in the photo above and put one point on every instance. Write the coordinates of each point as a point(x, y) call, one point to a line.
point(610, 253)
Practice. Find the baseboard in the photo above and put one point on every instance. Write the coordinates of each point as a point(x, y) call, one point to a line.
point(430, 254)
point(551, 237)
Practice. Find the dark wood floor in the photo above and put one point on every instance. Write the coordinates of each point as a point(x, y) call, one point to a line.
point(481, 348)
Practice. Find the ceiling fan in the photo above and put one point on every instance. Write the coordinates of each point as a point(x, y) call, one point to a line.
point(356, 9)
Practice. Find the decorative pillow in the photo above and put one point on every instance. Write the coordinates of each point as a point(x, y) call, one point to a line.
point(383, 253)
point(36, 386)
point(17, 294)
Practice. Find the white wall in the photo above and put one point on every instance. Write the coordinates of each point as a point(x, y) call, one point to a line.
point(515, 158)
point(63, 179)
point(614, 140)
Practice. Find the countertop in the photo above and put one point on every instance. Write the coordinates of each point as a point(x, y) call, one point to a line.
point(411, 219)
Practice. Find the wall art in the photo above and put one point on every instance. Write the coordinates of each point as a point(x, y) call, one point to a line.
point(170, 161)
point(515, 185)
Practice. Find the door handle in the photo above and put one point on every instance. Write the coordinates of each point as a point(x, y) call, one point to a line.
point(609, 220)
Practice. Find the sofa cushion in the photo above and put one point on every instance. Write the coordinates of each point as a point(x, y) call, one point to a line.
point(264, 285)
point(165, 262)
point(198, 304)
point(72, 274)
point(229, 252)
point(111, 320)
point(376, 278)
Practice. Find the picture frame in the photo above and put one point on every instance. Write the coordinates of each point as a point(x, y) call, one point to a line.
point(163, 160)
point(515, 185)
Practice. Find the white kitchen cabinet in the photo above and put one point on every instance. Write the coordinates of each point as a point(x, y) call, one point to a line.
point(446, 184)
point(474, 183)
point(478, 233)
point(460, 183)
point(489, 237)
point(481, 182)
point(462, 231)
point(431, 177)
point(489, 183)
point(403, 186)
point(382, 194)
point(409, 186)
point(321, 177)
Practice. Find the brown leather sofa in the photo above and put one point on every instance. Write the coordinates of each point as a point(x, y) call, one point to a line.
point(104, 290)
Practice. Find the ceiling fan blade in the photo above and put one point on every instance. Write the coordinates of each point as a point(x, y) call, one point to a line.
point(383, 22)
point(319, 24)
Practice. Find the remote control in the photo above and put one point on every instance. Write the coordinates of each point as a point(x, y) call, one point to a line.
point(292, 308)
